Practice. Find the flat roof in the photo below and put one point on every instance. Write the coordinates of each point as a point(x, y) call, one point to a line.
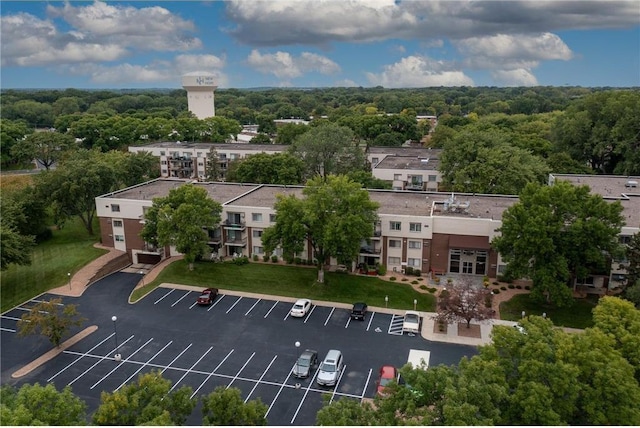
point(265, 195)
point(406, 151)
point(406, 162)
point(217, 146)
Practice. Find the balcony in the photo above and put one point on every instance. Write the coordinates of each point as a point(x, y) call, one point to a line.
point(236, 242)
point(370, 251)
point(234, 224)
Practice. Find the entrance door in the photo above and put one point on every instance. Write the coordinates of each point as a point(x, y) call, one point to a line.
point(467, 268)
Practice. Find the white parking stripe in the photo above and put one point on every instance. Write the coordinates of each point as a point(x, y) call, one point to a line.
point(174, 360)
point(370, 319)
point(274, 305)
point(309, 314)
point(282, 385)
point(7, 329)
point(142, 366)
point(211, 374)
point(241, 368)
point(29, 310)
point(260, 380)
point(364, 391)
point(121, 363)
point(234, 305)
point(216, 302)
point(102, 358)
point(168, 292)
point(329, 317)
point(177, 301)
point(44, 301)
point(13, 318)
point(288, 313)
point(251, 308)
point(304, 396)
point(347, 324)
point(335, 388)
point(79, 358)
point(193, 304)
point(190, 368)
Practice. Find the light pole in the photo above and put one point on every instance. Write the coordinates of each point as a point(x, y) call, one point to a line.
point(386, 301)
point(69, 279)
point(415, 304)
point(297, 361)
point(115, 335)
point(142, 273)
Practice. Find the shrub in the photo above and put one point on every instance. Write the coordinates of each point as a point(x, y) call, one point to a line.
point(420, 279)
point(444, 294)
point(408, 270)
point(519, 287)
point(495, 291)
point(449, 280)
point(424, 287)
point(255, 257)
point(405, 279)
point(503, 288)
point(298, 260)
point(382, 270)
point(417, 272)
point(527, 287)
point(239, 261)
point(274, 259)
point(393, 278)
point(289, 260)
point(265, 258)
point(495, 283)
point(511, 286)
point(414, 282)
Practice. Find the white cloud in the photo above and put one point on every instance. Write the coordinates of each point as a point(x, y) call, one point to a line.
point(516, 77)
point(419, 71)
point(285, 66)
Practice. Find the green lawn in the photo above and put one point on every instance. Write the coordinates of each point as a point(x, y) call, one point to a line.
point(294, 281)
point(577, 316)
point(68, 250)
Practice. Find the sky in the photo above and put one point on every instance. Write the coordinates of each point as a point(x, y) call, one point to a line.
point(321, 43)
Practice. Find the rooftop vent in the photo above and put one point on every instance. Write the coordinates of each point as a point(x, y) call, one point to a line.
point(631, 183)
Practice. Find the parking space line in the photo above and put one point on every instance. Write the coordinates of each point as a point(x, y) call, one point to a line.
point(239, 371)
point(251, 308)
point(81, 356)
point(304, 396)
point(143, 366)
point(364, 391)
point(174, 360)
point(44, 301)
point(10, 330)
point(216, 302)
point(288, 313)
point(168, 292)
point(335, 388)
point(234, 305)
point(102, 358)
point(260, 380)
point(282, 385)
point(274, 305)
point(121, 363)
point(177, 301)
point(370, 319)
point(309, 314)
point(329, 317)
point(190, 368)
point(347, 324)
point(393, 325)
point(13, 318)
point(211, 374)
point(20, 308)
point(193, 304)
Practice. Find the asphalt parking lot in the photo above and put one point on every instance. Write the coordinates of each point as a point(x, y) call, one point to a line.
point(248, 343)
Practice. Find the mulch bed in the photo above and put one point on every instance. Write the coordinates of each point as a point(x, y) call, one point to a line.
point(472, 331)
point(436, 328)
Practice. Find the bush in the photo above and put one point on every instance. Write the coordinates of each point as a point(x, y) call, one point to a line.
point(423, 287)
point(432, 290)
point(265, 258)
point(408, 270)
point(405, 279)
point(274, 259)
point(495, 291)
point(503, 288)
point(414, 282)
point(255, 257)
point(298, 260)
point(511, 286)
point(420, 279)
point(417, 272)
point(527, 287)
point(495, 283)
point(382, 270)
point(393, 278)
point(444, 294)
point(519, 287)
point(239, 261)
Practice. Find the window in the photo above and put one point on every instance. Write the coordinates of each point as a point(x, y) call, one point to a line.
point(397, 176)
point(415, 227)
point(272, 218)
point(199, 154)
point(395, 243)
point(164, 170)
point(395, 225)
point(115, 208)
point(119, 238)
point(393, 260)
point(257, 234)
point(413, 263)
point(374, 161)
point(258, 250)
point(433, 178)
point(415, 244)
point(235, 156)
point(256, 216)
point(164, 162)
point(117, 223)
point(278, 252)
point(162, 153)
point(625, 239)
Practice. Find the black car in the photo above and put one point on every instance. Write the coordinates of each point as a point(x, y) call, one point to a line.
point(308, 361)
point(359, 310)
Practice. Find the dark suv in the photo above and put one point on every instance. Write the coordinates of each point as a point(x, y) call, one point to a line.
point(359, 310)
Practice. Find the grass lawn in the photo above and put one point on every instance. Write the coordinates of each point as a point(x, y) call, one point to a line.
point(293, 281)
point(577, 316)
point(70, 249)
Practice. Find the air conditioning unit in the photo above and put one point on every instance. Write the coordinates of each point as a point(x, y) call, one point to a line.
point(631, 183)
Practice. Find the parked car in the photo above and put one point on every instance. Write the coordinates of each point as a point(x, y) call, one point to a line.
point(387, 374)
point(359, 310)
point(300, 308)
point(411, 323)
point(306, 363)
point(330, 369)
point(207, 296)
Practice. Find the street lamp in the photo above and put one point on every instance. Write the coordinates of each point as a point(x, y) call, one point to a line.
point(415, 304)
point(69, 279)
point(386, 301)
point(115, 335)
point(142, 273)
point(523, 314)
point(297, 361)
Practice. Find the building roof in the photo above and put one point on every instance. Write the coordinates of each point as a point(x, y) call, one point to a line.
point(217, 146)
point(407, 162)
point(406, 151)
point(265, 195)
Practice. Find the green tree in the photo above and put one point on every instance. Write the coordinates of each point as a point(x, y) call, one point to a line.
point(11, 133)
point(264, 168)
point(288, 133)
point(213, 169)
point(333, 218)
point(148, 401)
point(50, 319)
point(14, 247)
point(45, 147)
point(261, 139)
point(41, 405)
point(633, 260)
point(632, 293)
point(24, 210)
point(346, 412)
point(225, 407)
point(219, 129)
point(180, 219)
point(73, 186)
point(557, 234)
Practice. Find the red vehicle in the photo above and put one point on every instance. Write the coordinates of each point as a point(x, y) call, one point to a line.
point(208, 296)
point(387, 374)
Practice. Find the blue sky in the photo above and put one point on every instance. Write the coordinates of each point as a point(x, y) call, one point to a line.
point(321, 43)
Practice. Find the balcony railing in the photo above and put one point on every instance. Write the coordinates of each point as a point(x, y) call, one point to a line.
point(236, 242)
point(234, 224)
point(370, 251)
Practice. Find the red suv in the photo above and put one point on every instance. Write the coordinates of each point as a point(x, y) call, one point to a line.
point(387, 374)
point(207, 296)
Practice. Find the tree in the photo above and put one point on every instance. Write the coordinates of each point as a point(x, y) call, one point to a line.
point(225, 407)
point(133, 168)
point(11, 133)
point(14, 247)
point(264, 168)
point(180, 219)
point(288, 132)
point(261, 139)
point(214, 171)
point(557, 234)
point(50, 319)
point(148, 401)
point(46, 148)
point(41, 405)
point(333, 218)
point(464, 301)
point(346, 412)
point(328, 149)
point(633, 258)
point(73, 186)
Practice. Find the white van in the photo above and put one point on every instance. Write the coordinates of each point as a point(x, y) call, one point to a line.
point(330, 369)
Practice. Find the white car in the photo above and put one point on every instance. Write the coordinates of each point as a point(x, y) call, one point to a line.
point(300, 308)
point(411, 323)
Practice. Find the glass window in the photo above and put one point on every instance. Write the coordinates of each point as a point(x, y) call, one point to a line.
point(393, 260)
point(117, 223)
point(397, 176)
point(433, 178)
point(413, 263)
point(374, 161)
point(395, 243)
point(164, 162)
point(272, 218)
point(415, 227)
point(256, 216)
point(415, 244)
point(257, 250)
point(161, 152)
point(395, 225)
point(119, 238)
point(257, 234)
point(115, 208)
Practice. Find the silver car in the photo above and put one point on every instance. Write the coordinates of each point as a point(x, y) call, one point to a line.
point(306, 363)
point(330, 368)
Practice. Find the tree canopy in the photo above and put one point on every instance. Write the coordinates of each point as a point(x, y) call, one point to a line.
point(50, 319)
point(264, 168)
point(41, 405)
point(463, 301)
point(46, 148)
point(225, 407)
point(557, 234)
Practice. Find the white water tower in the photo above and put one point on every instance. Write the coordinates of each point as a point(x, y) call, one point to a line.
point(200, 87)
